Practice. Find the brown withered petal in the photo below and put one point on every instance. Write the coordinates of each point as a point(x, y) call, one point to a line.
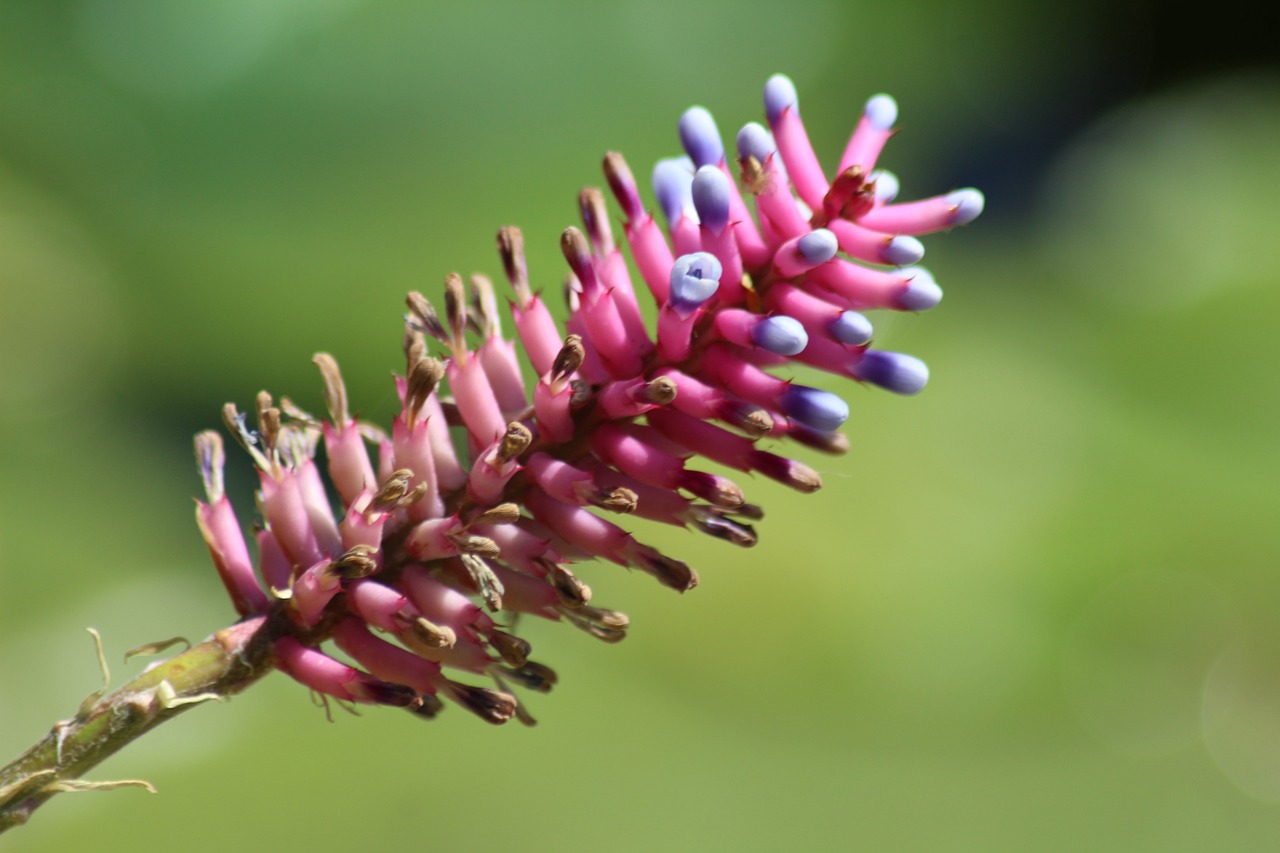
point(427, 707)
point(513, 650)
point(492, 706)
point(516, 441)
point(535, 676)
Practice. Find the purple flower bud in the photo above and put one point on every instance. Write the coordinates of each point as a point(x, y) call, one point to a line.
point(755, 141)
point(902, 250)
point(779, 93)
point(817, 409)
point(700, 137)
point(711, 197)
point(694, 280)
point(887, 185)
point(893, 371)
point(922, 291)
point(882, 111)
point(673, 186)
point(780, 334)
point(851, 328)
point(968, 204)
point(818, 246)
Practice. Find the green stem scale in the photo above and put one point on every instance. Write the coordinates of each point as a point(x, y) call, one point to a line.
point(221, 666)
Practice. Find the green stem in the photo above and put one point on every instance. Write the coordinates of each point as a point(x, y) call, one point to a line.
point(223, 665)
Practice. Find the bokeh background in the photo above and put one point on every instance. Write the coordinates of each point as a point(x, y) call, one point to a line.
point(1035, 608)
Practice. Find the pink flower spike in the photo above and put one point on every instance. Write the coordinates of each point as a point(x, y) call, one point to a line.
point(349, 466)
point(869, 137)
point(520, 546)
point(701, 140)
point(905, 289)
point(875, 247)
point(711, 198)
point(702, 438)
point(385, 660)
point(761, 169)
point(414, 450)
point(797, 256)
point(563, 481)
point(286, 515)
point(323, 524)
point(635, 450)
point(380, 605)
point(928, 215)
point(652, 255)
point(443, 604)
point(612, 269)
point(782, 108)
point(652, 502)
point(821, 410)
point(734, 451)
point(524, 593)
point(551, 401)
point(777, 334)
point(591, 366)
point(579, 527)
point(496, 465)
point(705, 402)
point(386, 458)
point(608, 334)
point(621, 446)
point(686, 236)
point(538, 333)
point(724, 367)
point(821, 318)
point(313, 591)
point(648, 248)
point(434, 538)
point(273, 565)
point(474, 397)
point(323, 674)
point(360, 526)
point(675, 332)
point(632, 397)
point(221, 530)
point(502, 368)
point(449, 472)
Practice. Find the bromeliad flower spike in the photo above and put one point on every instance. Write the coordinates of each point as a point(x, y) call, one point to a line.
point(480, 501)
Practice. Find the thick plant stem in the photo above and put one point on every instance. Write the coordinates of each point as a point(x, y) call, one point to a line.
point(219, 667)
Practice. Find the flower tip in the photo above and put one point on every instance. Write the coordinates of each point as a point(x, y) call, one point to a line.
point(780, 334)
point(817, 409)
point(903, 250)
point(673, 187)
point(694, 279)
point(851, 328)
point(623, 185)
point(882, 111)
point(818, 246)
point(711, 192)
point(887, 185)
point(921, 293)
point(967, 204)
point(700, 137)
point(755, 141)
point(893, 371)
point(779, 94)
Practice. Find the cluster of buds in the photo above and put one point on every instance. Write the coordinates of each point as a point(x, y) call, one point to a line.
point(482, 497)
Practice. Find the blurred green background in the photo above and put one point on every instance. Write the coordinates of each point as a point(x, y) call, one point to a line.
point(1035, 608)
